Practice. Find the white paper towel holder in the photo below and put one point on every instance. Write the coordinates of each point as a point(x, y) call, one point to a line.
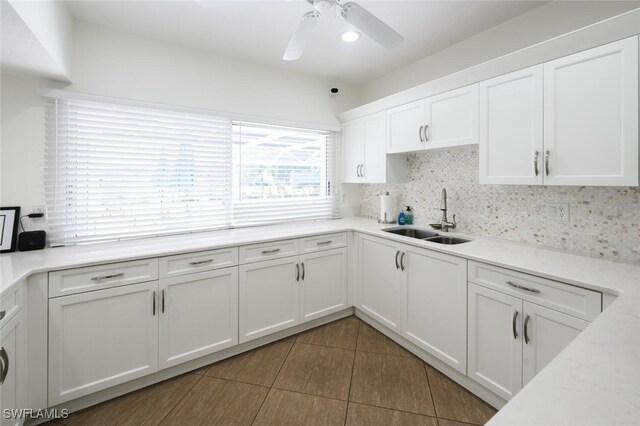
point(385, 220)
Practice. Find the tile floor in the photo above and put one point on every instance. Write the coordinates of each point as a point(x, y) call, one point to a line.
point(342, 373)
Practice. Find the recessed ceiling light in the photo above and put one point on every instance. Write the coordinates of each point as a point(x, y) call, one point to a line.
point(350, 36)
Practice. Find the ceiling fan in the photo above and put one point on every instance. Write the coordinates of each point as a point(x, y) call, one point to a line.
point(351, 12)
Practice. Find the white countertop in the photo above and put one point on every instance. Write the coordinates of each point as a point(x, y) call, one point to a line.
point(594, 381)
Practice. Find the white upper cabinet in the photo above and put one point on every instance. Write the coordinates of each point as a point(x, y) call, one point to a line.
point(444, 120)
point(405, 125)
point(510, 148)
point(364, 158)
point(452, 118)
point(591, 116)
point(571, 121)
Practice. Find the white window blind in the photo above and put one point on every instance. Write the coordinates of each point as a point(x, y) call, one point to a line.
point(116, 171)
point(283, 174)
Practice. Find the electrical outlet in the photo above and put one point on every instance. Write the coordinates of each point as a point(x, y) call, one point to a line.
point(39, 209)
point(558, 211)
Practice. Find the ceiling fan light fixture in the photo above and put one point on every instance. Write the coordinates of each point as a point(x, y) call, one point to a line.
point(350, 36)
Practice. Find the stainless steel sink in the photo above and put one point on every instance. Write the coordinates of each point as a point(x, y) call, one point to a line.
point(441, 239)
point(412, 233)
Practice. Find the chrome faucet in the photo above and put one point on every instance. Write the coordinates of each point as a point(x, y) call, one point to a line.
point(446, 225)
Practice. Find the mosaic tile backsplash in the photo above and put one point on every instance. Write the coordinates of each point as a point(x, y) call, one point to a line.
point(603, 221)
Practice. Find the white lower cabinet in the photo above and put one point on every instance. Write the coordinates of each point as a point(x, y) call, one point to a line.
point(380, 280)
point(511, 340)
point(278, 294)
point(435, 304)
point(198, 315)
point(546, 333)
point(323, 288)
point(12, 368)
point(101, 338)
point(269, 297)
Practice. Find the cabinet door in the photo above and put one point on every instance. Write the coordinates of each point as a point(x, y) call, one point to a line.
point(404, 126)
point(591, 116)
point(380, 280)
point(510, 147)
point(12, 339)
point(269, 297)
point(101, 338)
point(198, 315)
point(323, 283)
point(374, 150)
point(352, 140)
point(546, 333)
point(495, 340)
point(452, 118)
point(435, 305)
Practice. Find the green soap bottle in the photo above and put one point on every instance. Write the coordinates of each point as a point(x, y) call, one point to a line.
point(408, 216)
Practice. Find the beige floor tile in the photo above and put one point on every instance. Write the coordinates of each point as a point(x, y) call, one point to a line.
point(286, 408)
point(371, 340)
point(366, 415)
point(443, 422)
point(394, 382)
point(147, 406)
point(453, 402)
point(338, 334)
point(218, 402)
point(317, 370)
point(258, 367)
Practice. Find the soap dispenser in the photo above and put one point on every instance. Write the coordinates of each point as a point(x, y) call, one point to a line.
point(408, 216)
point(401, 219)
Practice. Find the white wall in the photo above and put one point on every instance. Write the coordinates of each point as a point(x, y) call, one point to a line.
point(540, 24)
point(115, 64)
point(51, 23)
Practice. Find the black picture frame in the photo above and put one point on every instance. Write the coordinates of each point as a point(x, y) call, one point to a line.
point(9, 218)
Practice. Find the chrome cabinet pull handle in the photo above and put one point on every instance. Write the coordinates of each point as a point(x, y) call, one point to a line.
point(546, 162)
point(361, 170)
point(402, 261)
point(513, 325)
point(324, 243)
point(5, 364)
point(526, 329)
point(2, 313)
point(521, 287)
point(302, 271)
point(535, 162)
point(108, 277)
point(163, 301)
point(426, 137)
point(201, 262)
point(153, 310)
point(420, 134)
point(297, 272)
point(397, 254)
point(270, 251)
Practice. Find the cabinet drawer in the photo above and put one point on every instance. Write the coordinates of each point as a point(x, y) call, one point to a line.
point(11, 303)
point(576, 301)
point(91, 278)
point(172, 266)
point(265, 251)
point(322, 242)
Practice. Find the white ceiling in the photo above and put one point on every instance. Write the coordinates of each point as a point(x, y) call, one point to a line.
point(259, 31)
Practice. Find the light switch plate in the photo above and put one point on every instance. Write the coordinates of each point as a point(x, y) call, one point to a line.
point(558, 211)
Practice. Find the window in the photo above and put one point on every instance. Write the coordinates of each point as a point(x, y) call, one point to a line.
point(282, 174)
point(118, 171)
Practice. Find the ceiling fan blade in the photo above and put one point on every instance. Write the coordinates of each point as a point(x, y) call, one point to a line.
point(373, 27)
point(301, 36)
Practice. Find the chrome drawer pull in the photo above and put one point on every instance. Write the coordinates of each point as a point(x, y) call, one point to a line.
point(2, 314)
point(420, 133)
point(535, 163)
point(526, 329)
point(521, 287)
point(323, 243)
point(513, 324)
point(5, 365)
point(270, 251)
point(200, 262)
point(108, 277)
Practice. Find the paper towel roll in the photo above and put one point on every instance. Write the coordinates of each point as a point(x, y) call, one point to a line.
point(387, 212)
